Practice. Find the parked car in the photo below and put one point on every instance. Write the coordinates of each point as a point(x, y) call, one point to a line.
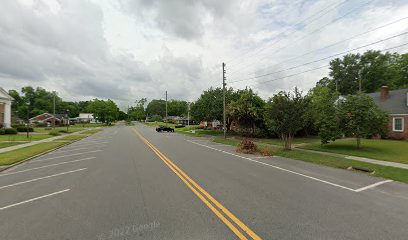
point(164, 129)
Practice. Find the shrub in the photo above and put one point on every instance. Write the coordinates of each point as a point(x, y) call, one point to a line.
point(179, 126)
point(54, 133)
point(10, 131)
point(24, 129)
point(63, 131)
point(41, 124)
point(2, 131)
point(246, 146)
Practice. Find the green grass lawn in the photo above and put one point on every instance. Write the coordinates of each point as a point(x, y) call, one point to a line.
point(92, 131)
point(70, 129)
point(11, 157)
point(23, 137)
point(387, 150)
point(8, 144)
point(397, 174)
point(72, 137)
point(278, 141)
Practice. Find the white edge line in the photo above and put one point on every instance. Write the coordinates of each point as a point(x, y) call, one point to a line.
point(372, 185)
point(83, 145)
point(33, 199)
point(40, 178)
point(50, 165)
point(282, 169)
point(75, 154)
point(70, 150)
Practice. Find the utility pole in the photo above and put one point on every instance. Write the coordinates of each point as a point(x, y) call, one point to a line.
point(188, 114)
point(223, 95)
point(166, 108)
point(53, 104)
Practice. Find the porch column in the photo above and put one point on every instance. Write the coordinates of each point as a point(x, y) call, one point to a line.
point(7, 114)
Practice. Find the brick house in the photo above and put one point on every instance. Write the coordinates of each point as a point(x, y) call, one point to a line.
point(395, 103)
point(5, 109)
point(50, 119)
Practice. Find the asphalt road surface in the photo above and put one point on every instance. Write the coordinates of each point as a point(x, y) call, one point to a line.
point(129, 182)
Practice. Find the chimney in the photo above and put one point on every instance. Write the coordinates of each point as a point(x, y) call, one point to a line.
point(384, 94)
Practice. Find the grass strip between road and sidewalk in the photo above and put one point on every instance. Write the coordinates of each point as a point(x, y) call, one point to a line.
point(380, 149)
point(92, 131)
point(9, 144)
point(397, 174)
point(21, 154)
point(72, 137)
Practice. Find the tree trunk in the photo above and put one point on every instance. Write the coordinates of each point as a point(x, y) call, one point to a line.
point(358, 141)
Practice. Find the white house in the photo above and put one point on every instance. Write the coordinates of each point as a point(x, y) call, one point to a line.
point(5, 108)
point(86, 117)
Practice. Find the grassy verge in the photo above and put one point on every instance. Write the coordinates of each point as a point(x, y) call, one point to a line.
point(23, 137)
point(21, 154)
point(71, 138)
point(387, 150)
point(397, 174)
point(8, 144)
point(277, 141)
point(92, 131)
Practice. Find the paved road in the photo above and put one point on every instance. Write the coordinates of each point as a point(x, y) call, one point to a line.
point(133, 183)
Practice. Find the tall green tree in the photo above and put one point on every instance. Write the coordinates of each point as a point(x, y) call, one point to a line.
point(209, 106)
point(138, 112)
point(247, 110)
point(322, 110)
point(361, 117)
point(104, 111)
point(284, 115)
point(177, 108)
point(156, 107)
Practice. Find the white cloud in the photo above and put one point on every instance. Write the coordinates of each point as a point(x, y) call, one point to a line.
point(126, 50)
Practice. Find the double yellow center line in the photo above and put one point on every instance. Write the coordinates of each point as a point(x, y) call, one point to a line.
point(218, 209)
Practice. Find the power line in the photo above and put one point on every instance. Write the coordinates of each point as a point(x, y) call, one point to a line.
point(327, 65)
point(318, 60)
point(338, 42)
point(260, 49)
point(315, 31)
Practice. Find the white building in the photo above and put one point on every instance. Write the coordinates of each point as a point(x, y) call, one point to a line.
point(5, 108)
point(86, 117)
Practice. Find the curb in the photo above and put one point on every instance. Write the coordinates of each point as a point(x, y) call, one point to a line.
point(3, 168)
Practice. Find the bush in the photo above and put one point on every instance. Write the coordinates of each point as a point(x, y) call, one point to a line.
point(246, 146)
point(54, 133)
point(10, 131)
point(63, 131)
point(2, 131)
point(41, 124)
point(24, 129)
point(179, 126)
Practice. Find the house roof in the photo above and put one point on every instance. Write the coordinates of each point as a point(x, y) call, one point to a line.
point(49, 115)
point(396, 103)
point(4, 95)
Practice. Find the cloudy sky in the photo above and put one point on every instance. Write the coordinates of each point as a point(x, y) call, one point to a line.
point(129, 49)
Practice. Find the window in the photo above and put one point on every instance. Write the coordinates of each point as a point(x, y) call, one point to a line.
point(398, 124)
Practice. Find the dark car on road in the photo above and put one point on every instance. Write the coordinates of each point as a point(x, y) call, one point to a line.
point(164, 129)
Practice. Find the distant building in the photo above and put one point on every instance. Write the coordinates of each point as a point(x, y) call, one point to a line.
point(5, 109)
point(395, 103)
point(50, 119)
point(86, 118)
point(214, 124)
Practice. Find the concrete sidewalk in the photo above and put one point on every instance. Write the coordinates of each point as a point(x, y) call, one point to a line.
point(7, 149)
point(361, 159)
